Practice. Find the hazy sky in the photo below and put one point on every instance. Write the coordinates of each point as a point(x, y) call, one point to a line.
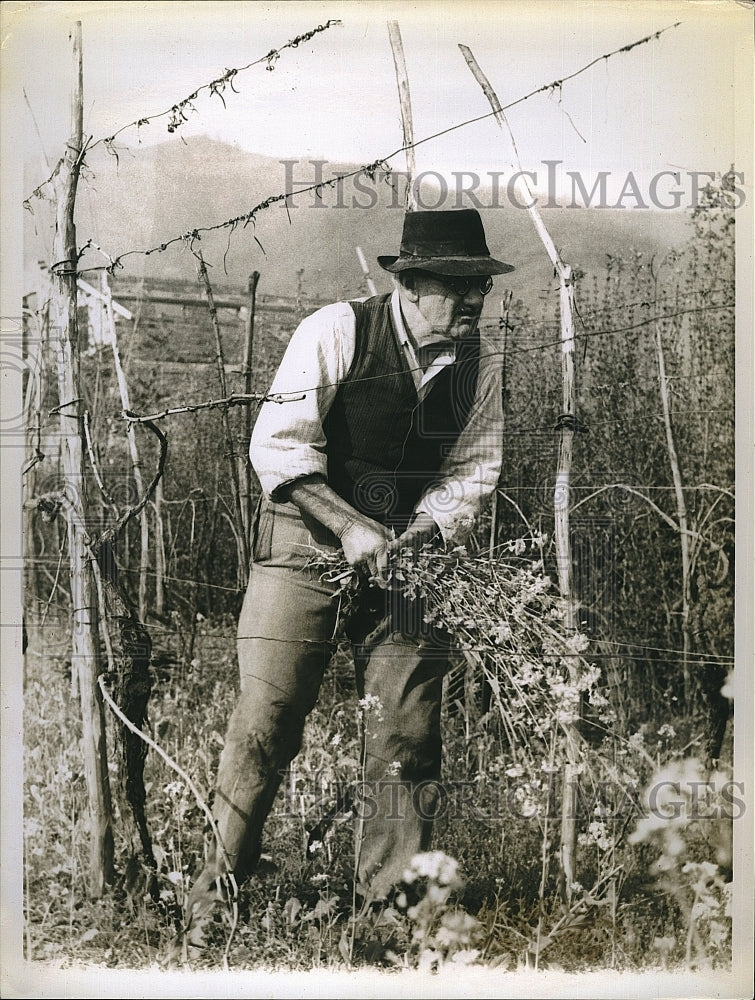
point(670, 104)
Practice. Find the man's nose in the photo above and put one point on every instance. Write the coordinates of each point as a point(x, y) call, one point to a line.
point(474, 297)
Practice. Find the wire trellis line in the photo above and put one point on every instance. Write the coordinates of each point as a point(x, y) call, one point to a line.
point(176, 110)
point(631, 647)
point(217, 86)
point(242, 399)
point(235, 399)
point(368, 170)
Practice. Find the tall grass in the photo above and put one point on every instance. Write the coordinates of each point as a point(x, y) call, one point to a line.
point(500, 907)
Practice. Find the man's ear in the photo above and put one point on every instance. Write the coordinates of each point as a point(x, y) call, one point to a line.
point(409, 285)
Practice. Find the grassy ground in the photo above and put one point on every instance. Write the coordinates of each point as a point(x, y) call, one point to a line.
point(502, 911)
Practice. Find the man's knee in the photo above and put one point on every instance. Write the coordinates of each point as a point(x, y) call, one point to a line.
point(267, 735)
point(412, 756)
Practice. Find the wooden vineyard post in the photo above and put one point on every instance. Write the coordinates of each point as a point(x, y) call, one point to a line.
point(504, 324)
point(681, 505)
point(366, 272)
point(242, 539)
point(159, 551)
point(248, 369)
point(132, 447)
point(562, 499)
point(402, 81)
point(562, 493)
point(85, 652)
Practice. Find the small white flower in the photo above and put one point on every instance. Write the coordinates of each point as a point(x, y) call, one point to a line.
point(336, 740)
point(667, 732)
point(599, 836)
point(371, 703)
point(433, 865)
point(394, 767)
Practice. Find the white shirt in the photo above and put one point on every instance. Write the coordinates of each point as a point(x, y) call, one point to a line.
point(289, 442)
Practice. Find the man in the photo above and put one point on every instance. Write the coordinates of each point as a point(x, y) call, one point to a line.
point(385, 433)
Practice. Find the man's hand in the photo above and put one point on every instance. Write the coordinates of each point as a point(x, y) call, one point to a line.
point(365, 546)
point(364, 541)
point(422, 530)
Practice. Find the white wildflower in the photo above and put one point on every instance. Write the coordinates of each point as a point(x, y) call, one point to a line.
point(433, 865)
point(667, 732)
point(371, 703)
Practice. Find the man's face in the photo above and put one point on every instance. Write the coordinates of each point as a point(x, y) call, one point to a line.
point(451, 312)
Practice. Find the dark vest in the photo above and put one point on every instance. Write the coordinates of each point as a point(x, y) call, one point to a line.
point(385, 448)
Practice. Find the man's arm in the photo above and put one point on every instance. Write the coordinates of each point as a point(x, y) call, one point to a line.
point(364, 541)
point(288, 441)
point(367, 544)
point(288, 446)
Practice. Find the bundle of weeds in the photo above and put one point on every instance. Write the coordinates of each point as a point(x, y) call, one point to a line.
point(508, 621)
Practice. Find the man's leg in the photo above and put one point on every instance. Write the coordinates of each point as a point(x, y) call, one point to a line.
point(403, 670)
point(280, 681)
point(284, 644)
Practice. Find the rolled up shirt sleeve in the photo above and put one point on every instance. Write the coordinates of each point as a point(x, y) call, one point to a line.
point(288, 440)
point(471, 470)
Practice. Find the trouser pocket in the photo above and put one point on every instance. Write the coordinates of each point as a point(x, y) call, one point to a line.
point(262, 530)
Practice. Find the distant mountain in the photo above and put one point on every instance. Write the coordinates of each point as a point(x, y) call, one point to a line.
point(146, 196)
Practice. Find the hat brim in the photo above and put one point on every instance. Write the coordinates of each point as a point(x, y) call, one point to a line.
point(446, 265)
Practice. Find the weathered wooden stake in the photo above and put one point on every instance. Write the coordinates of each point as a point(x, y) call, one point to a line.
point(566, 428)
point(242, 540)
point(405, 102)
point(85, 653)
point(504, 324)
point(248, 368)
point(366, 272)
point(159, 552)
point(132, 447)
point(681, 506)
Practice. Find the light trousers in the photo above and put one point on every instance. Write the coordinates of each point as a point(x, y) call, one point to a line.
point(285, 640)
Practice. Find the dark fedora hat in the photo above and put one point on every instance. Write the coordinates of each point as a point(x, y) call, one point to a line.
point(445, 243)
